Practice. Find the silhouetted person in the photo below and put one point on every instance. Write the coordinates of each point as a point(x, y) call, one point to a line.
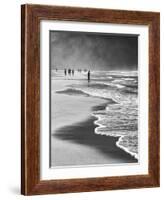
point(65, 72)
point(72, 72)
point(69, 71)
point(88, 75)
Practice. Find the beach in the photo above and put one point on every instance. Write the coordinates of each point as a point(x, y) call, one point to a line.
point(73, 138)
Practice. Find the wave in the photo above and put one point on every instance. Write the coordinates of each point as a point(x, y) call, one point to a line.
point(128, 140)
point(128, 79)
point(111, 84)
point(126, 149)
point(124, 73)
point(71, 91)
point(123, 96)
point(99, 85)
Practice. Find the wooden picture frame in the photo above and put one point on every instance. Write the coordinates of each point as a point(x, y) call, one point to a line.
point(31, 16)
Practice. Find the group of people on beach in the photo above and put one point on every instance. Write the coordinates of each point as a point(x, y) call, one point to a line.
point(71, 72)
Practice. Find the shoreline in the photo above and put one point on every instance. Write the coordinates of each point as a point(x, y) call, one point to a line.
point(73, 138)
point(82, 134)
point(119, 137)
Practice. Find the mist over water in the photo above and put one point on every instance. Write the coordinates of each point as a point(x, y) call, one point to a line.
point(93, 51)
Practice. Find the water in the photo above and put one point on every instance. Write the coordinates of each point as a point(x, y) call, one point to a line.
point(120, 117)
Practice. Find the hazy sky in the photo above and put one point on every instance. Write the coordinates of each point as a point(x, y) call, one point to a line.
point(94, 51)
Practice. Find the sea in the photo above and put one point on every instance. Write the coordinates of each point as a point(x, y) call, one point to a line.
point(119, 118)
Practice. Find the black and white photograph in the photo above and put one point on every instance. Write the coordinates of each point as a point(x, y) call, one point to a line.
point(93, 99)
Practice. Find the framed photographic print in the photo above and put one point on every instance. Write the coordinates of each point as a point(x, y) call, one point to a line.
point(90, 99)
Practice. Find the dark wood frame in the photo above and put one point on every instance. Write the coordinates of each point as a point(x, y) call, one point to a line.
point(31, 16)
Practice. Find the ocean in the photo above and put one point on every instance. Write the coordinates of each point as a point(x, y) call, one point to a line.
point(120, 116)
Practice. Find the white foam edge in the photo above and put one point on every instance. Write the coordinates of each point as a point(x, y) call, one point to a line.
point(96, 122)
